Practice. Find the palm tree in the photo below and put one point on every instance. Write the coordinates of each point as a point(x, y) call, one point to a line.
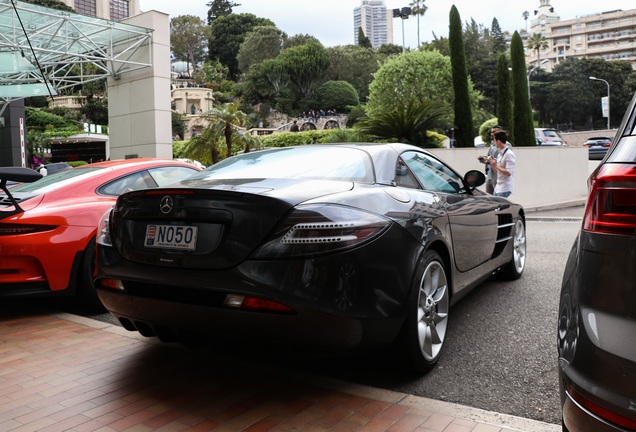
point(525, 16)
point(227, 119)
point(407, 123)
point(204, 147)
point(418, 8)
point(538, 42)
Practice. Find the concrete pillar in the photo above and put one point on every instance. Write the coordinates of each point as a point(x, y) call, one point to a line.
point(13, 136)
point(139, 102)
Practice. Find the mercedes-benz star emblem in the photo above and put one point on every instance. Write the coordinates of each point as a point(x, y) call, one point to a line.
point(166, 205)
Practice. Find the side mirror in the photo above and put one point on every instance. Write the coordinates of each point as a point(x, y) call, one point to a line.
point(474, 178)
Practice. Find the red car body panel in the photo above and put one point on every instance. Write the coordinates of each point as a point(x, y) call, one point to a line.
point(69, 213)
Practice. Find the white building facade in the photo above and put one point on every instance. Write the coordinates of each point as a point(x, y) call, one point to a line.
point(376, 22)
point(609, 35)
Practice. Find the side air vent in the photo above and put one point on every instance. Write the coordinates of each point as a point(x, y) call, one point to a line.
point(504, 232)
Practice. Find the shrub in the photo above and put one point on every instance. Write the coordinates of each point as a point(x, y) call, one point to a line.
point(336, 95)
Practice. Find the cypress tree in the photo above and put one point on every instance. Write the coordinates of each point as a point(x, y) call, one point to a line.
point(363, 40)
point(464, 133)
point(523, 124)
point(504, 98)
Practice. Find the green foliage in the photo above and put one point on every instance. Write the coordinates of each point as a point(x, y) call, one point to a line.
point(336, 95)
point(363, 40)
point(464, 133)
point(228, 33)
point(178, 128)
point(423, 75)
point(52, 4)
point(523, 124)
point(219, 8)
point(498, 39)
point(287, 139)
point(262, 43)
point(306, 66)
point(77, 163)
point(40, 120)
point(504, 95)
point(300, 39)
point(95, 111)
point(537, 42)
point(188, 38)
point(388, 50)
point(406, 123)
point(484, 129)
point(355, 113)
point(354, 64)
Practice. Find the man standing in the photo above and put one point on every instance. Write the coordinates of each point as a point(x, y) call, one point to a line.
point(294, 127)
point(503, 165)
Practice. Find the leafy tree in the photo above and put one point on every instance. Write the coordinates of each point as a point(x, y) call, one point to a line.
point(300, 39)
point(52, 4)
point(499, 44)
point(504, 97)
point(523, 124)
point(227, 118)
point(219, 8)
point(188, 37)
point(353, 64)
point(306, 66)
point(525, 15)
point(363, 40)
point(205, 146)
point(261, 44)
point(423, 75)
point(437, 44)
point(389, 50)
point(418, 8)
point(407, 123)
point(95, 110)
point(228, 33)
point(178, 128)
point(336, 95)
point(537, 42)
point(463, 114)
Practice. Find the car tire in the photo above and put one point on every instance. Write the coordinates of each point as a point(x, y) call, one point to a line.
point(86, 295)
point(424, 332)
point(514, 269)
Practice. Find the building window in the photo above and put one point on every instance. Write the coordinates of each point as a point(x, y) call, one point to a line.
point(86, 7)
point(119, 9)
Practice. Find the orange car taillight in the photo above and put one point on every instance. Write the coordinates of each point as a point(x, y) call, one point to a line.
point(611, 206)
point(600, 411)
point(17, 229)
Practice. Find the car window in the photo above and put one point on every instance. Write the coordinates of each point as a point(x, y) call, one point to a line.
point(404, 177)
point(55, 180)
point(164, 176)
point(551, 133)
point(131, 182)
point(306, 162)
point(432, 174)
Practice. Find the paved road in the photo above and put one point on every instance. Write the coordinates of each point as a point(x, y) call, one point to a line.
point(501, 347)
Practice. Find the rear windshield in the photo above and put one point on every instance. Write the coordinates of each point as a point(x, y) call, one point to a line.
point(308, 162)
point(53, 181)
point(551, 133)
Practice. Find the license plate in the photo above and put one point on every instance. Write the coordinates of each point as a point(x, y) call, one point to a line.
point(171, 237)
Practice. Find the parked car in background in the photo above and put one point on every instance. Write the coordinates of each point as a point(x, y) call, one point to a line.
point(597, 310)
point(598, 146)
point(337, 246)
point(48, 226)
point(548, 137)
point(55, 167)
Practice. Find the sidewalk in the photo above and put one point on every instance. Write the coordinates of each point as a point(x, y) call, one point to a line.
point(61, 372)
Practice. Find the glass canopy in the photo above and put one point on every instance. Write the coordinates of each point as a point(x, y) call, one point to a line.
point(43, 51)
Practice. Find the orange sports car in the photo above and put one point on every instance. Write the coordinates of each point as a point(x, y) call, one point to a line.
point(48, 224)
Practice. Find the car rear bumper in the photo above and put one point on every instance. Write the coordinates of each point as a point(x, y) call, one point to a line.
point(172, 321)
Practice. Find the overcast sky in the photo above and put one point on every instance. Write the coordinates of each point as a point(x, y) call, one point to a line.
point(331, 21)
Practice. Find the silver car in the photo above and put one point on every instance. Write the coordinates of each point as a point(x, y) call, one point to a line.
point(548, 137)
point(597, 310)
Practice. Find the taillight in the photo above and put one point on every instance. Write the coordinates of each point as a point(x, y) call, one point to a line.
point(256, 304)
point(611, 206)
point(600, 411)
point(103, 230)
point(18, 229)
point(320, 229)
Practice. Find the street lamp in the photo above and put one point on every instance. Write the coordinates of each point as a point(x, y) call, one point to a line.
point(403, 14)
point(608, 99)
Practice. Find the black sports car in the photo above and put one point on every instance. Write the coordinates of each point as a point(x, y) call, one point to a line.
point(340, 246)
